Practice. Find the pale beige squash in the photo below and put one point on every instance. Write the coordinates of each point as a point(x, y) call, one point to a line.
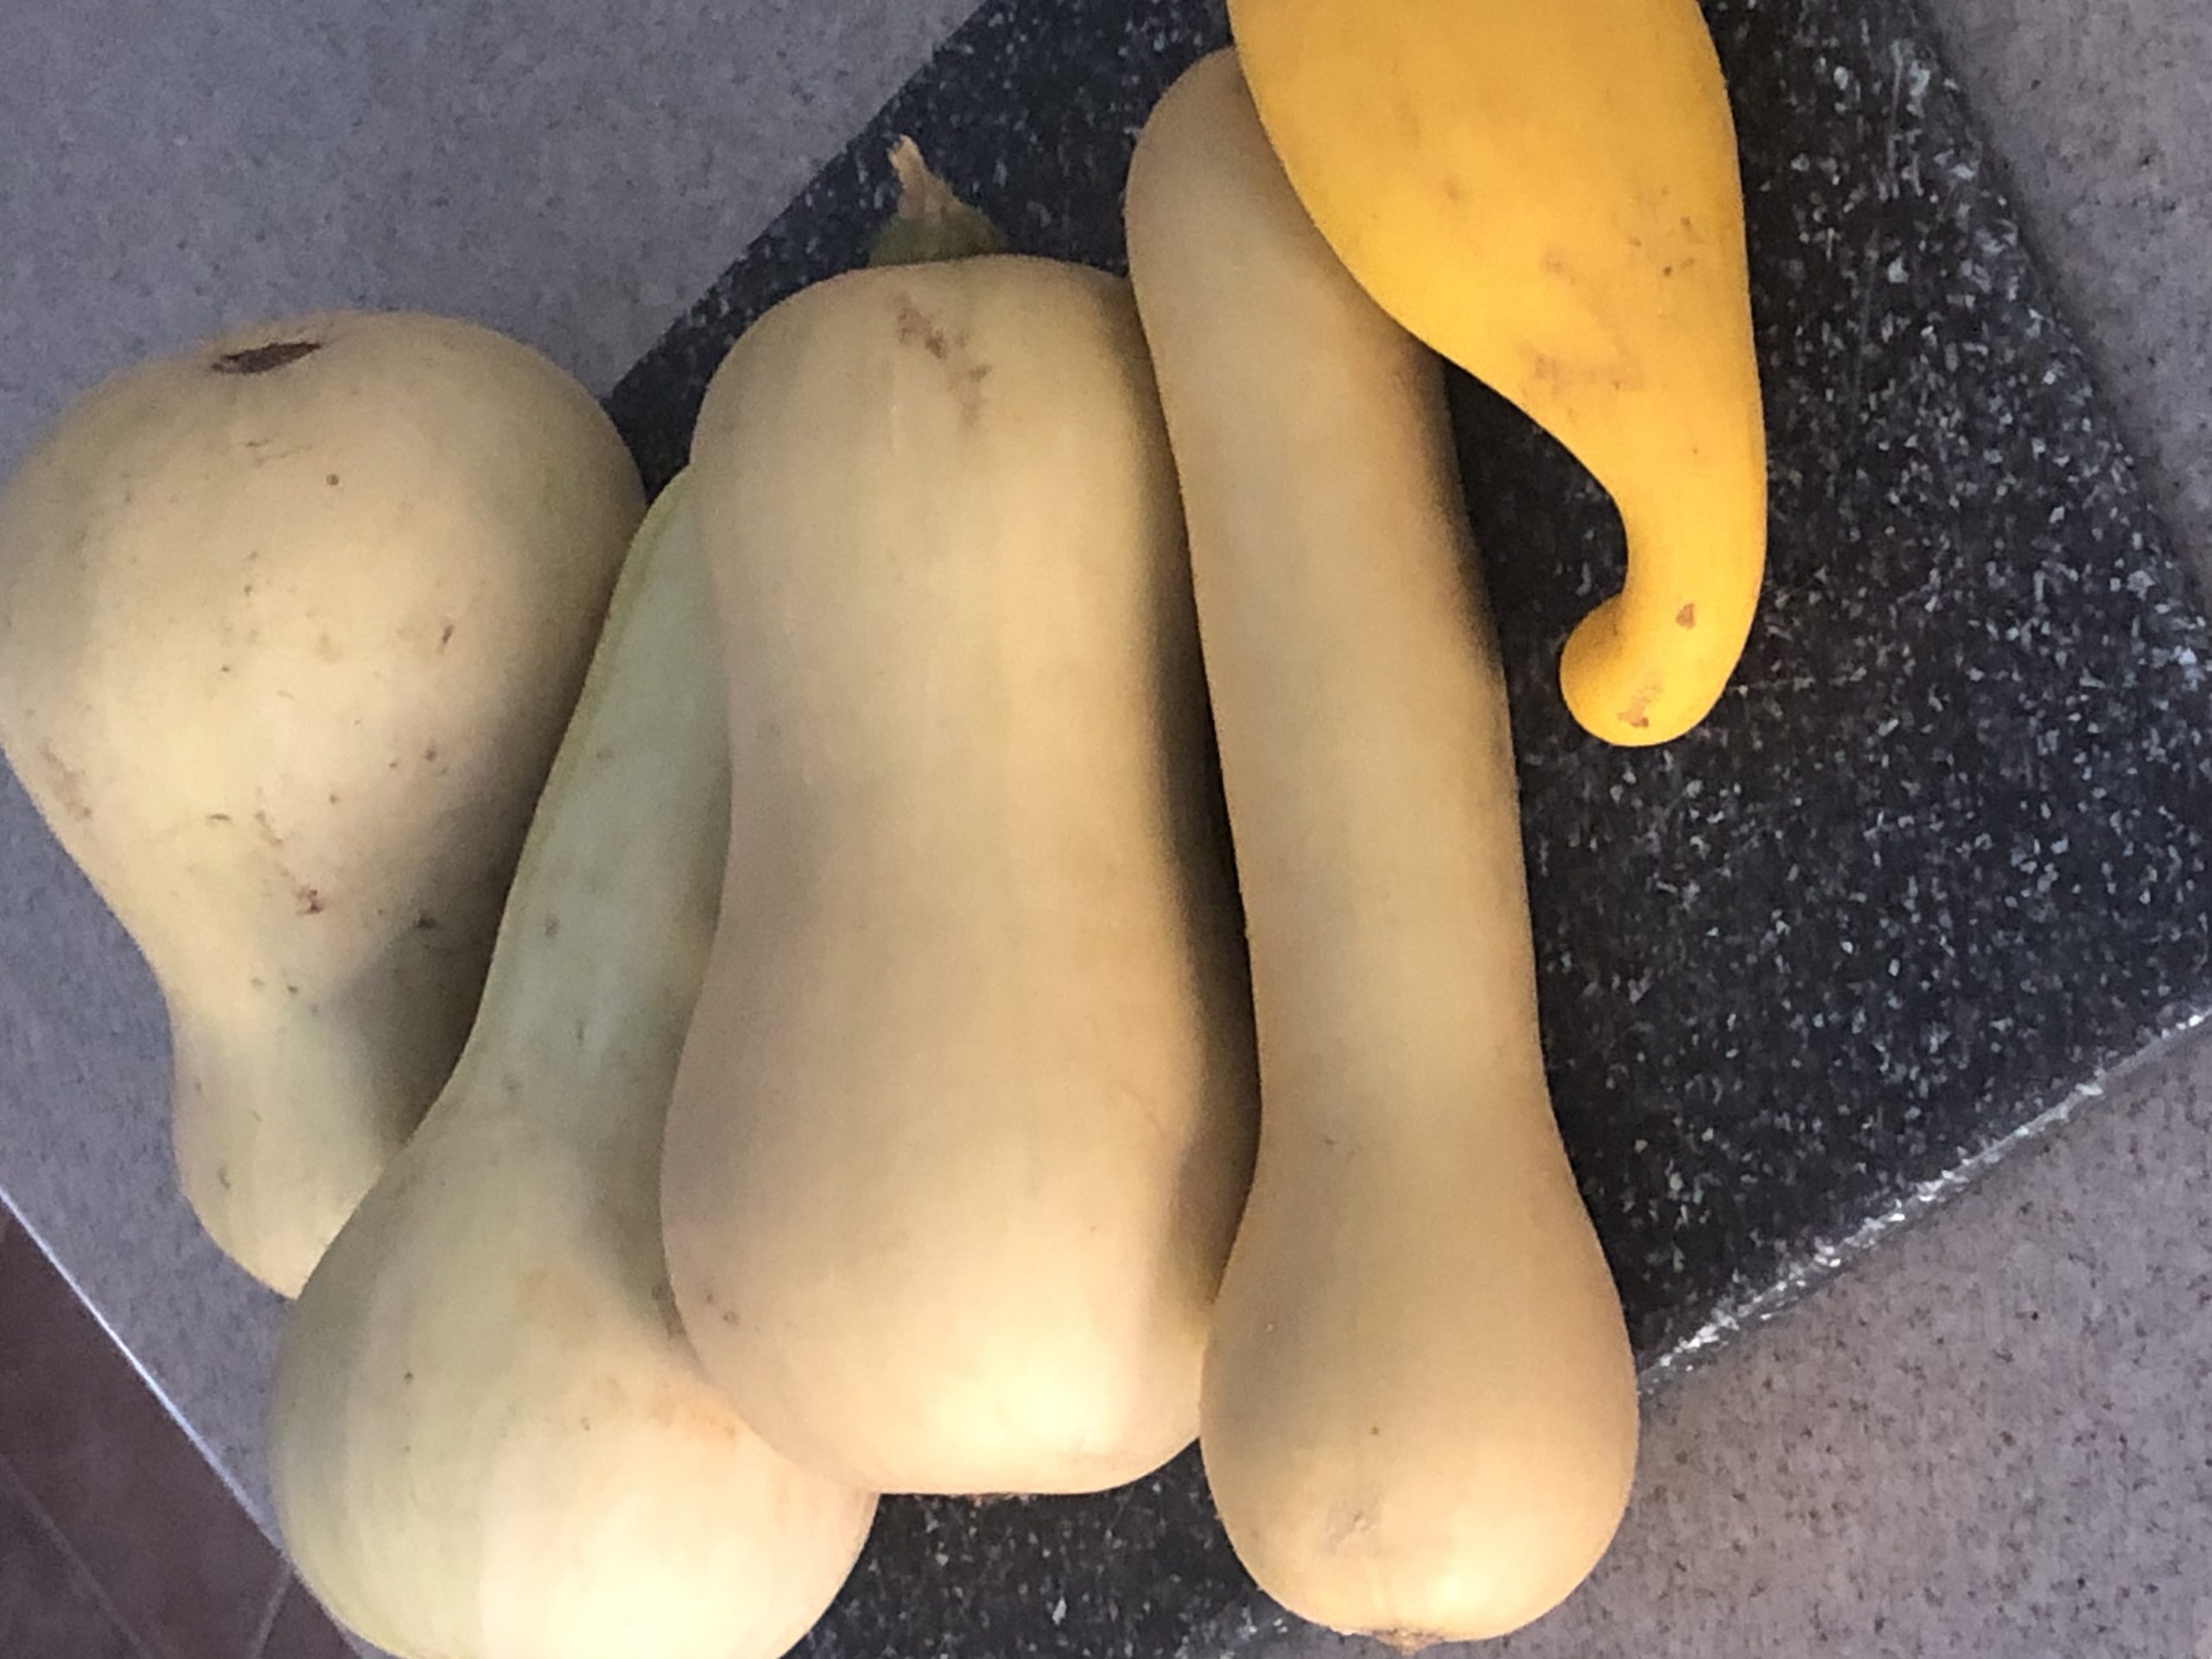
point(965, 1115)
point(1419, 1408)
point(491, 1440)
point(289, 626)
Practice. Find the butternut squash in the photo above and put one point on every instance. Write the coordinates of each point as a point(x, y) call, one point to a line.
point(289, 624)
point(965, 1114)
point(1419, 1408)
point(1549, 196)
point(490, 1439)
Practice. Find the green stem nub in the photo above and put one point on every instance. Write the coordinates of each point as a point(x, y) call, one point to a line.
point(931, 223)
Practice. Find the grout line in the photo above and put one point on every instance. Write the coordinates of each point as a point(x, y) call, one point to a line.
point(258, 1647)
point(13, 1484)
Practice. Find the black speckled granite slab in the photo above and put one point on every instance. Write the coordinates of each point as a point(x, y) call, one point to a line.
point(1938, 862)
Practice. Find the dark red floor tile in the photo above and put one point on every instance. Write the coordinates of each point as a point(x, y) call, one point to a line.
point(303, 1630)
point(181, 1562)
point(49, 1608)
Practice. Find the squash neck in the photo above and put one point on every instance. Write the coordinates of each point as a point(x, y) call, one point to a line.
point(288, 1107)
point(612, 913)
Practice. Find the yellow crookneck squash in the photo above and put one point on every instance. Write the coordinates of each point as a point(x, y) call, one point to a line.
point(289, 626)
point(1419, 1409)
point(965, 1115)
point(490, 1439)
point(1547, 191)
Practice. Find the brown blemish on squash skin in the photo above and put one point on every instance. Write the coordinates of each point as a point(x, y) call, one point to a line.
point(265, 359)
point(917, 327)
point(69, 784)
point(310, 900)
point(1637, 716)
point(1686, 617)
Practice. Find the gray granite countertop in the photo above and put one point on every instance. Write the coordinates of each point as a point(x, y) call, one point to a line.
point(384, 168)
point(1941, 858)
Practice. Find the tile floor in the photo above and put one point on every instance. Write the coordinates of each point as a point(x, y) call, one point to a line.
point(117, 1541)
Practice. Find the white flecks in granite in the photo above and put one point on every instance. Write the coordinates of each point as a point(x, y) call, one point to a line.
point(1942, 854)
point(1702, 1169)
point(1730, 1319)
point(1988, 1439)
point(1938, 857)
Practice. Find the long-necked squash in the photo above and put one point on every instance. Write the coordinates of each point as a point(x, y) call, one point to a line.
point(1548, 195)
point(1419, 1414)
point(289, 626)
point(964, 1119)
point(490, 1439)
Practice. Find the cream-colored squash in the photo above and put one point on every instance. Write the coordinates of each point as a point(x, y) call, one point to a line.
point(289, 626)
point(1420, 1415)
point(964, 1119)
point(491, 1440)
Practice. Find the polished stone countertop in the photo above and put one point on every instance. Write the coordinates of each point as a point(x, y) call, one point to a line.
point(1935, 865)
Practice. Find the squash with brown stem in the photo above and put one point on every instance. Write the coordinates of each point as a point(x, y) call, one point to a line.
point(965, 1115)
point(289, 626)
